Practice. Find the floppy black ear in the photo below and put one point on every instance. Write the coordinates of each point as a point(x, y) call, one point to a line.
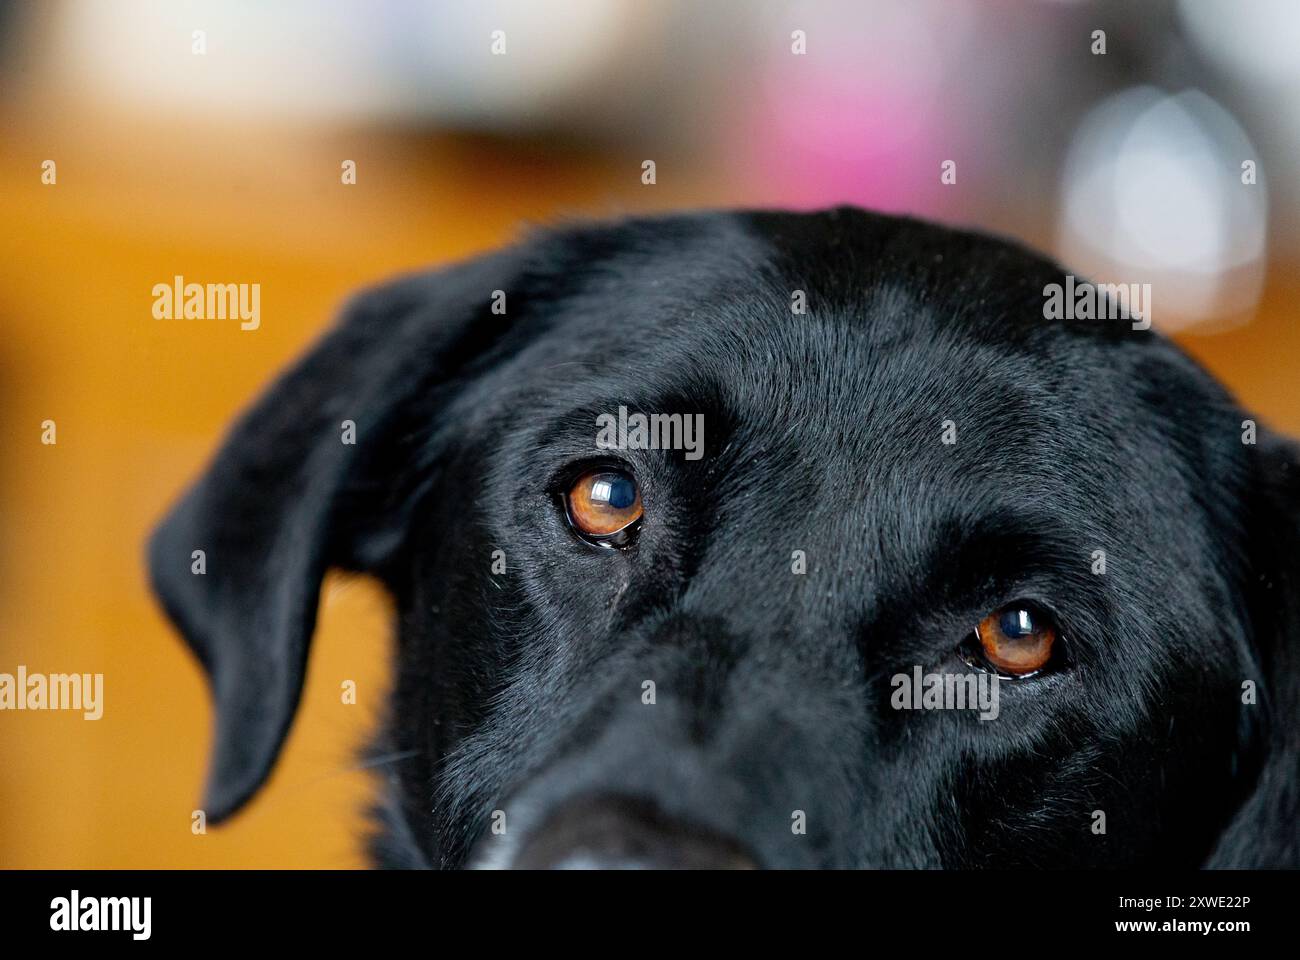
point(1266, 830)
point(285, 498)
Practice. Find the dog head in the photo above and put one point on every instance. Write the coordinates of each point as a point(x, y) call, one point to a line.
point(610, 653)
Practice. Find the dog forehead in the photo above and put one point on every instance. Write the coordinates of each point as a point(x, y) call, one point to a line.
point(864, 373)
point(872, 379)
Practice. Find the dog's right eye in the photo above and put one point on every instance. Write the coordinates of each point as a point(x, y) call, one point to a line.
point(604, 506)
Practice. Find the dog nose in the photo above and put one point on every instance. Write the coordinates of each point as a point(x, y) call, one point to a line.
point(618, 833)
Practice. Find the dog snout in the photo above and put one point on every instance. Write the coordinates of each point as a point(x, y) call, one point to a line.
point(619, 833)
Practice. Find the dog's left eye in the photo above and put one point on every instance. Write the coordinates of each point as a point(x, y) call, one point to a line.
point(604, 506)
point(1015, 641)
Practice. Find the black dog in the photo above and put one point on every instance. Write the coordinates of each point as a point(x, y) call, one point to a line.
point(619, 656)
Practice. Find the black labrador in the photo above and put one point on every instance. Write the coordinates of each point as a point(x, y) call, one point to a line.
point(624, 642)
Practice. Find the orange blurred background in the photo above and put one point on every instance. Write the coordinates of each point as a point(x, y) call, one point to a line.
point(159, 175)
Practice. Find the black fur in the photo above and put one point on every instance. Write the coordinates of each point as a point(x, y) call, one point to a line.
point(521, 691)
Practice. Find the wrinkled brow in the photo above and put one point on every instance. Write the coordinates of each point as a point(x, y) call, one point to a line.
point(1008, 549)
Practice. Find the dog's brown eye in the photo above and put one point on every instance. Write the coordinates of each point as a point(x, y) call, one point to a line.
point(603, 504)
point(1017, 640)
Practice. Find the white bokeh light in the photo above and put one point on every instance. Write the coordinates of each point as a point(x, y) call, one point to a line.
point(1259, 40)
point(1153, 193)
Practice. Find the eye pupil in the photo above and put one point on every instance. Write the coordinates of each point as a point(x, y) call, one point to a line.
point(617, 492)
point(1017, 623)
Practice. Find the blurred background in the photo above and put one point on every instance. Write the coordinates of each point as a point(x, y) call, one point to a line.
point(212, 140)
